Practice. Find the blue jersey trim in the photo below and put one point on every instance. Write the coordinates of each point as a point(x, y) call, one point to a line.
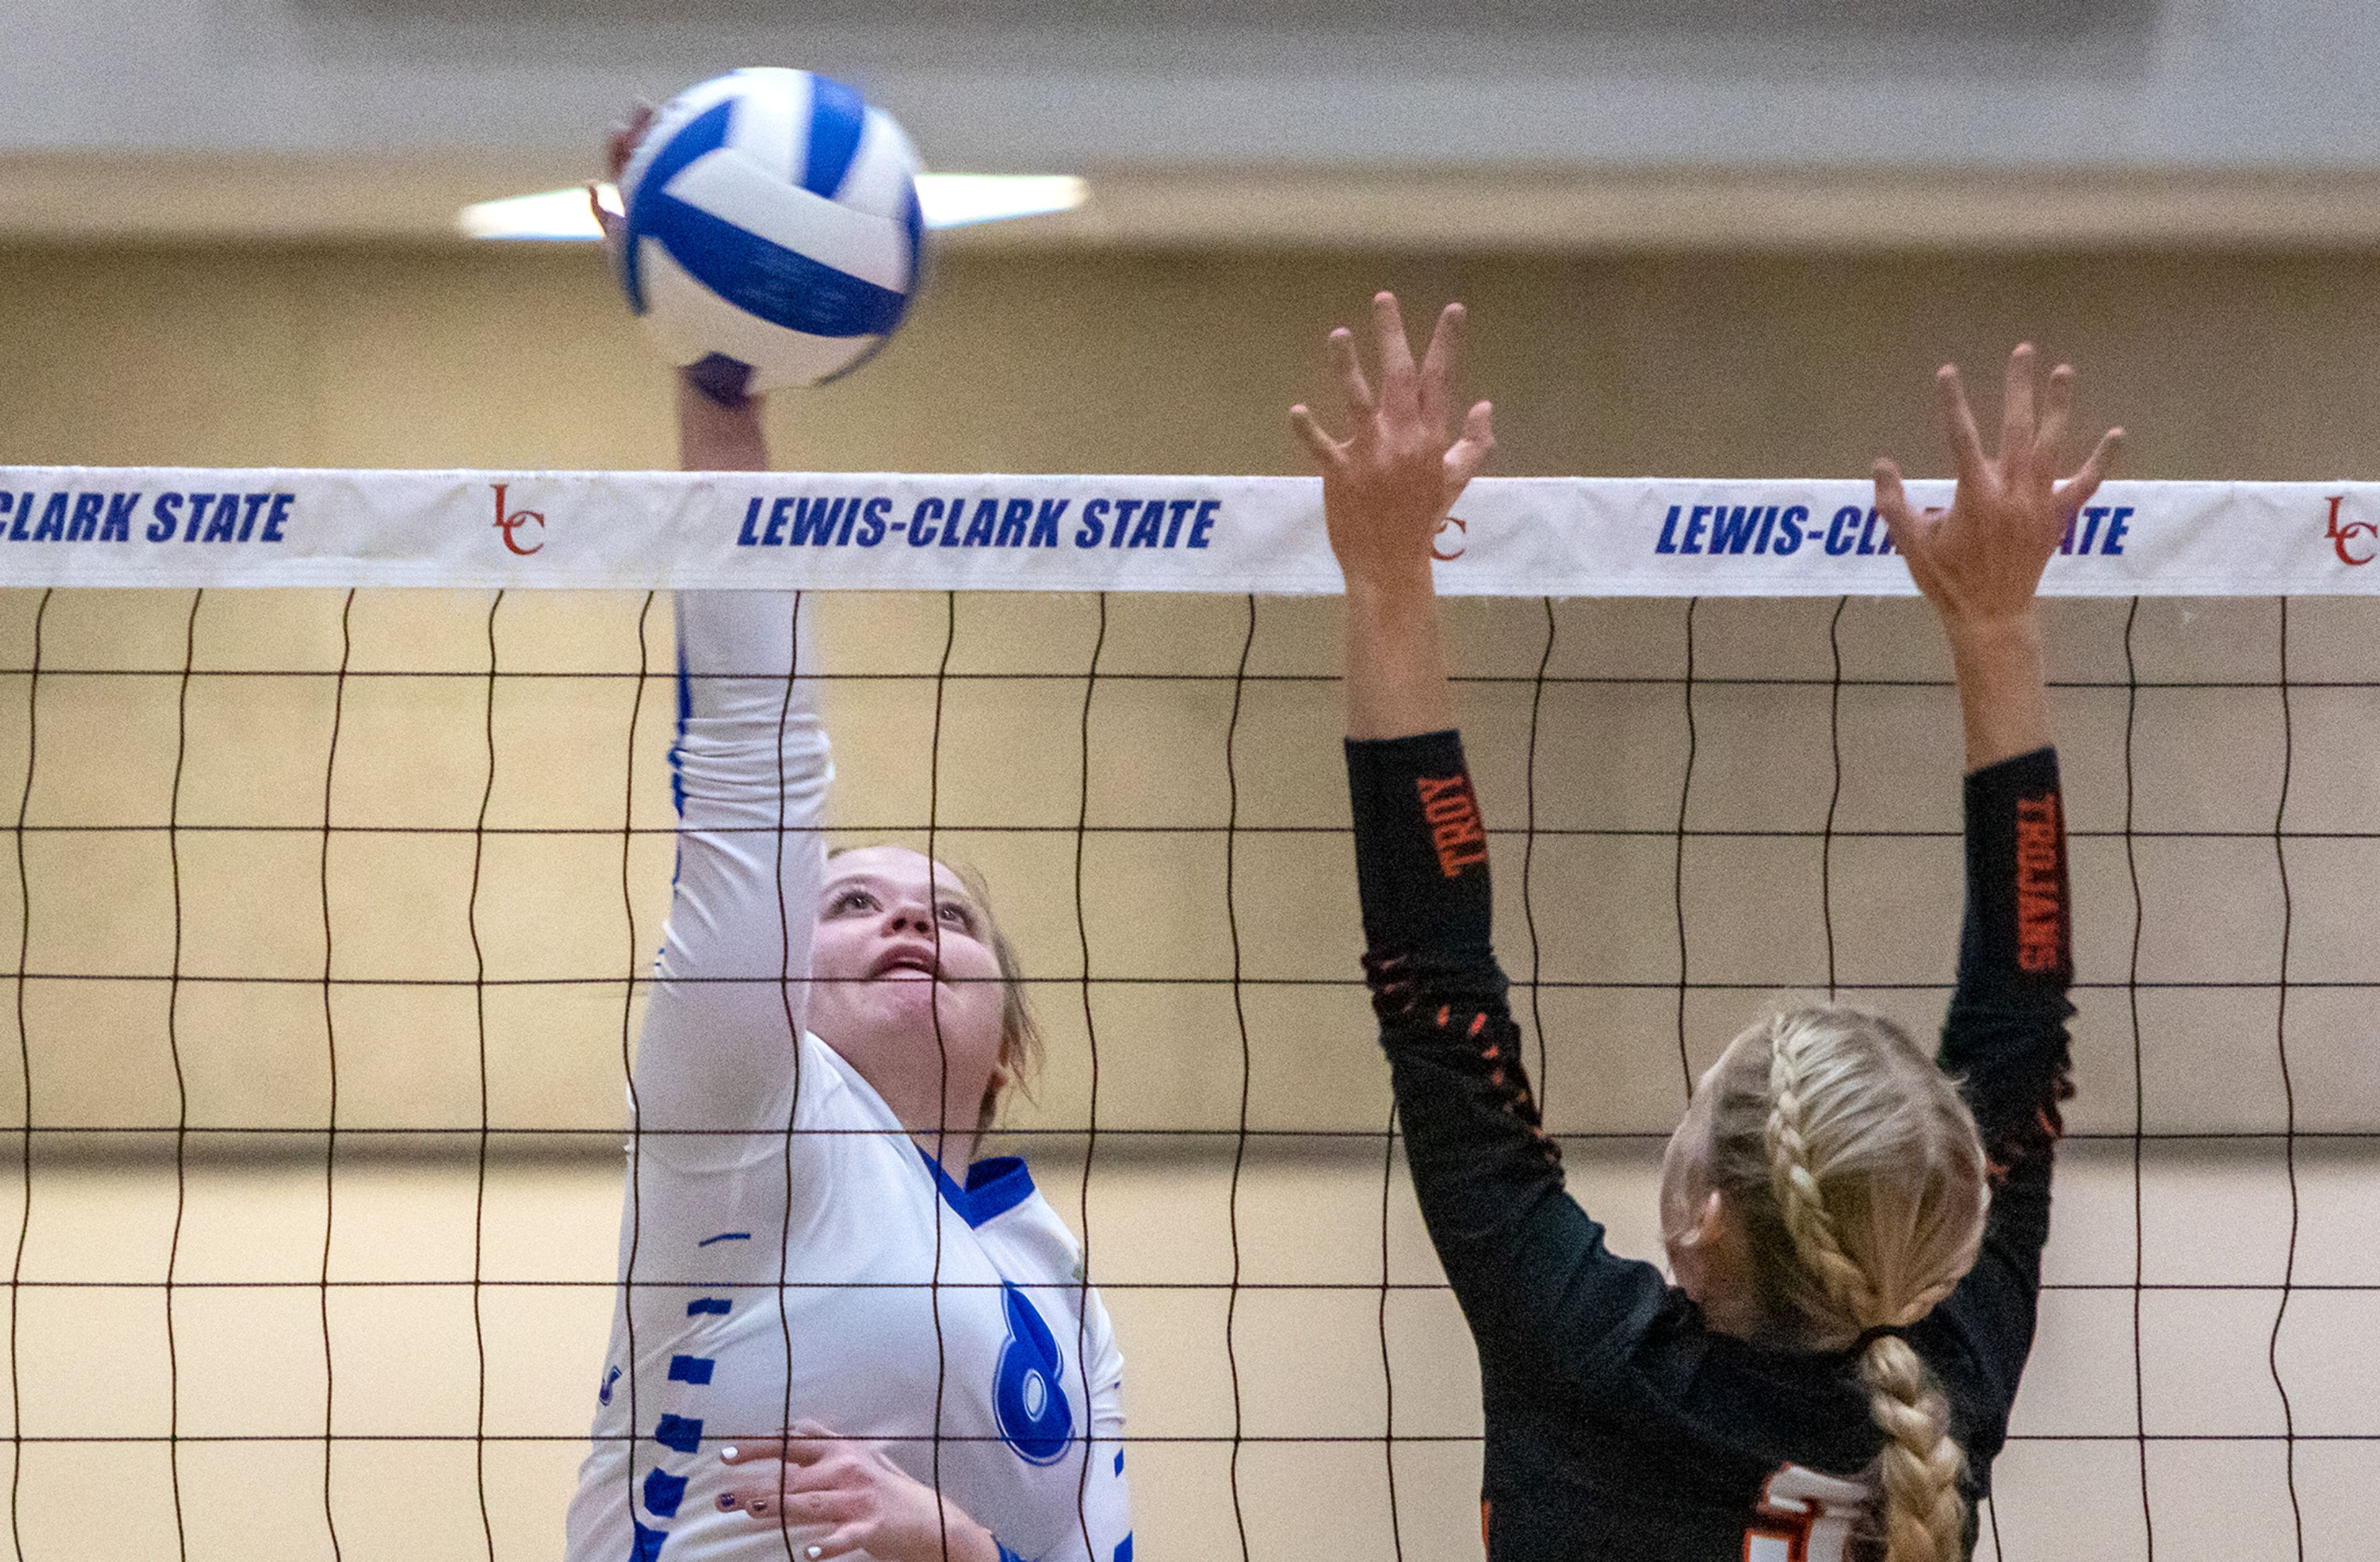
point(993, 1187)
point(677, 741)
point(664, 1493)
point(679, 1432)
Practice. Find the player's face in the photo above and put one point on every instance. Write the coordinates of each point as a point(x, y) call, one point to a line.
point(903, 949)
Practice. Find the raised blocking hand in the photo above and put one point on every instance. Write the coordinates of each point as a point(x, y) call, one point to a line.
point(1387, 486)
point(1980, 561)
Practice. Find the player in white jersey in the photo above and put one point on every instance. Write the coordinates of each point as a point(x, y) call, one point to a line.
point(804, 1245)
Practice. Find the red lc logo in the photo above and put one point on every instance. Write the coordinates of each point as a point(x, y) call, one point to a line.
point(510, 525)
point(2340, 536)
point(1456, 522)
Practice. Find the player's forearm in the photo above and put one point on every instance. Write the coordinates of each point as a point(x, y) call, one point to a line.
point(2002, 698)
point(1421, 847)
point(970, 1541)
point(1396, 662)
point(716, 438)
point(1480, 1162)
point(2006, 1036)
point(750, 747)
point(2019, 931)
point(751, 768)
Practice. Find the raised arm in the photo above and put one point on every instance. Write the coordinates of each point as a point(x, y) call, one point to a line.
point(1980, 564)
point(1527, 1265)
point(751, 773)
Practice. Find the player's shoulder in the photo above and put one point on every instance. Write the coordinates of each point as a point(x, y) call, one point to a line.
point(824, 1099)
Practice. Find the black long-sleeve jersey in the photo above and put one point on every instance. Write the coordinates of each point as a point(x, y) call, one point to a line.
point(1619, 1425)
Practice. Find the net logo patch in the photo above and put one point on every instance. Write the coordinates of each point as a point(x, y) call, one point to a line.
point(1009, 521)
point(511, 521)
point(2355, 542)
point(68, 516)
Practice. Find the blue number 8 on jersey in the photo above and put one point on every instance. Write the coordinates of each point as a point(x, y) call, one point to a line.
point(1026, 1393)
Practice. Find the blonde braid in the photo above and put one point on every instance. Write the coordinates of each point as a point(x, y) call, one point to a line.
point(1799, 1200)
point(1925, 1513)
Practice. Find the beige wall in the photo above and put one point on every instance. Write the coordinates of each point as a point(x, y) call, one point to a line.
point(562, 924)
point(2222, 366)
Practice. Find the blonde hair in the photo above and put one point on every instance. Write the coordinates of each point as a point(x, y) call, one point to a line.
point(1020, 1034)
point(1859, 1178)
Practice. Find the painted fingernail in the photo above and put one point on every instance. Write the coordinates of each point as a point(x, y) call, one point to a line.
point(727, 1452)
point(815, 1551)
point(727, 1499)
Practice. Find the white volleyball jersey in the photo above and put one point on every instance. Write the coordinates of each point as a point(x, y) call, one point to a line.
point(786, 1252)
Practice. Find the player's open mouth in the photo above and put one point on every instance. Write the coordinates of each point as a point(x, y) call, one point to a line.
point(904, 959)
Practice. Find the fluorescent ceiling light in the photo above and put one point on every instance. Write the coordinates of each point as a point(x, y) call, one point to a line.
point(951, 200)
point(948, 200)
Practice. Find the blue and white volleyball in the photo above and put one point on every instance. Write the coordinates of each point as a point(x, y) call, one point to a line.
point(772, 229)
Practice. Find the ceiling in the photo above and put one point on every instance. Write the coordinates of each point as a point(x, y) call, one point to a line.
point(1429, 123)
point(1501, 18)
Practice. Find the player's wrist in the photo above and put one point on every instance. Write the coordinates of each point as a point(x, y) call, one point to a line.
point(1390, 587)
point(1995, 627)
point(1990, 648)
point(716, 436)
point(2003, 699)
point(969, 1542)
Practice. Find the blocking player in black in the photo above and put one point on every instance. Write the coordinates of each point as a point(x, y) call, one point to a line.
point(1854, 1228)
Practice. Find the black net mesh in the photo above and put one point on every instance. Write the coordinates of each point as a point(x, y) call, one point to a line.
point(335, 913)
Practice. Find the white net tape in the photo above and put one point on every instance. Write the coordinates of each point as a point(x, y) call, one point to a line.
point(1526, 536)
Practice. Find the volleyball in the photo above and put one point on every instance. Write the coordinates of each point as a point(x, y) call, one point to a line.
point(772, 229)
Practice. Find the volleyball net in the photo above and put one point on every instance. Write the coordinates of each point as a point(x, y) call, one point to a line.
point(335, 907)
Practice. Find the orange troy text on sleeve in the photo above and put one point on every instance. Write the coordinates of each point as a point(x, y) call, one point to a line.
point(1454, 817)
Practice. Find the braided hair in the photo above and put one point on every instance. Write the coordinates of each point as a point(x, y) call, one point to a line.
point(1859, 1178)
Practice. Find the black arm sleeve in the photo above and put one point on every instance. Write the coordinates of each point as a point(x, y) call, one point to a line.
point(1526, 1264)
point(2005, 1041)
